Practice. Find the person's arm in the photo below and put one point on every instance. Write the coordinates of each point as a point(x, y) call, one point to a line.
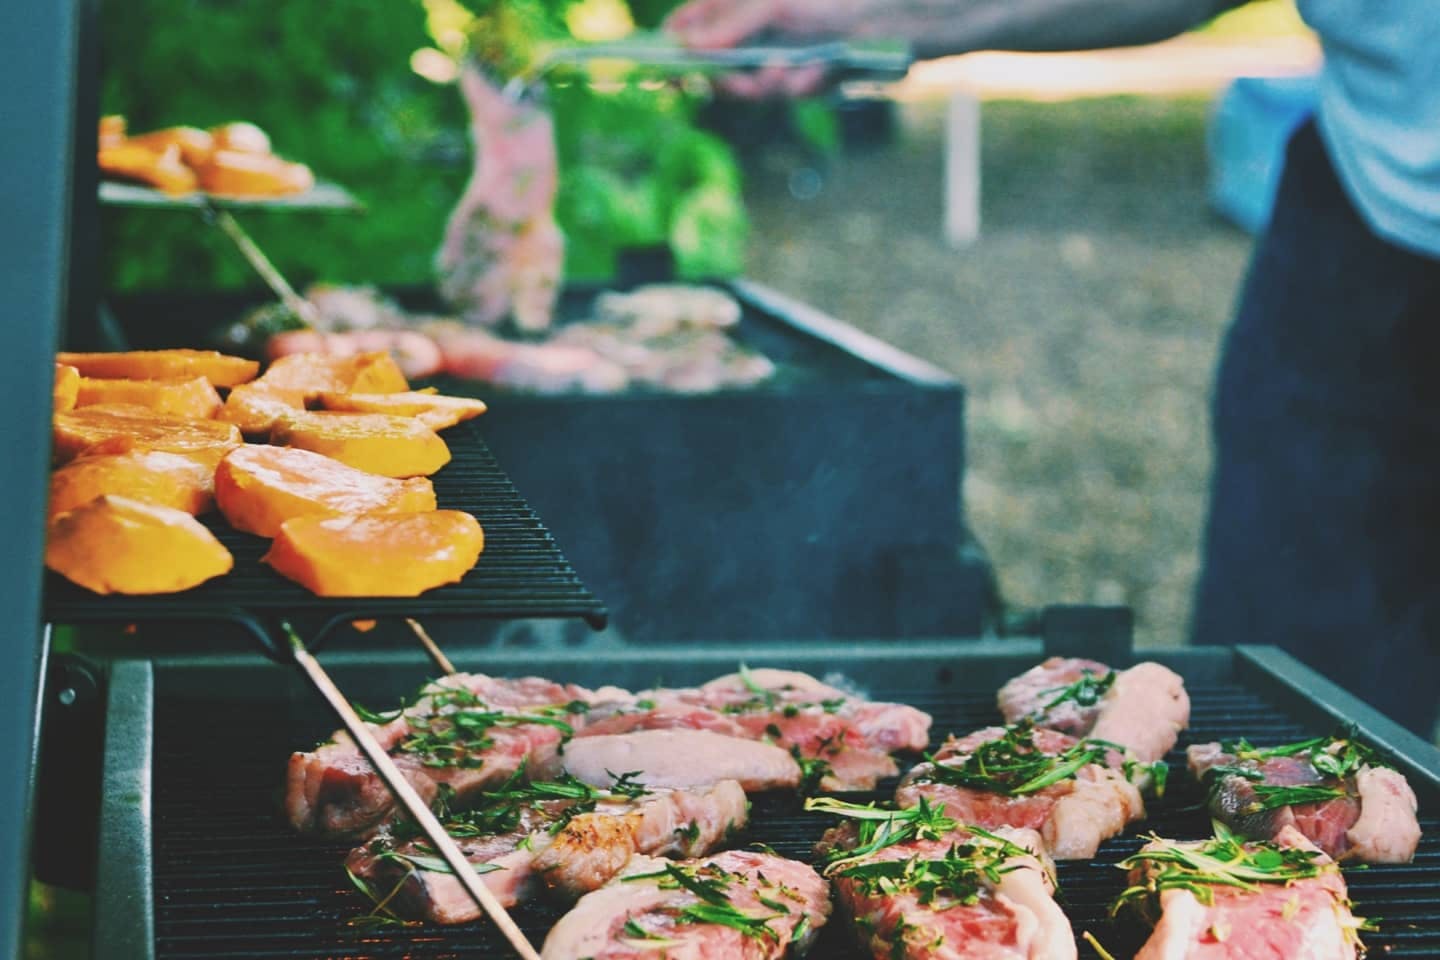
point(939, 27)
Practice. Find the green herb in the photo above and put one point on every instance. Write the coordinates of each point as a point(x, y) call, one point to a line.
point(645, 704)
point(1085, 692)
point(767, 697)
point(689, 835)
point(832, 706)
point(727, 914)
point(457, 737)
point(962, 874)
point(1339, 755)
point(1011, 763)
point(1100, 951)
point(879, 827)
point(1222, 861)
point(647, 939)
point(812, 771)
point(370, 716)
point(1268, 797)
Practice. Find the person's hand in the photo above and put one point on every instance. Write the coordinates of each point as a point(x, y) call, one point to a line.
point(717, 24)
point(712, 24)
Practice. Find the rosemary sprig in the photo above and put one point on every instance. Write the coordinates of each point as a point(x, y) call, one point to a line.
point(710, 884)
point(1338, 755)
point(1013, 765)
point(878, 827)
point(1222, 861)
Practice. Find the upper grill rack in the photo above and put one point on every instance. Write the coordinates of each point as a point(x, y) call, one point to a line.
point(521, 572)
point(231, 880)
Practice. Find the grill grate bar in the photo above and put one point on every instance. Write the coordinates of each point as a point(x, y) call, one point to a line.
point(232, 881)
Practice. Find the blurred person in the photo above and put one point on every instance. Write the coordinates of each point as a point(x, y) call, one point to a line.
point(1324, 527)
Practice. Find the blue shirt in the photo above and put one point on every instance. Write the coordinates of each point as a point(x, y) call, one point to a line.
point(1379, 111)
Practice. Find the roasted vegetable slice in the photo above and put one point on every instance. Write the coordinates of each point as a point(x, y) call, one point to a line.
point(193, 398)
point(373, 442)
point(381, 555)
point(150, 476)
point(218, 368)
point(435, 411)
point(118, 545)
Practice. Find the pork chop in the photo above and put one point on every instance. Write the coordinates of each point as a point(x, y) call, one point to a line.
point(1142, 709)
point(737, 905)
point(680, 759)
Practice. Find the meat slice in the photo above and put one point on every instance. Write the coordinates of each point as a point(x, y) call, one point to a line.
point(965, 896)
point(566, 838)
point(1281, 901)
point(842, 742)
point(737, 905)
point(1142, 709)
point(680, 759)
point(1335, 791)
point(1075, 793)
point(465, 733)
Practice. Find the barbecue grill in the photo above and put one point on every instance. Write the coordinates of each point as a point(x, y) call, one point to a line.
point(197, 862)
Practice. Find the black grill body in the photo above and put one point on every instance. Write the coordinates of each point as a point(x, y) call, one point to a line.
point(227, 878)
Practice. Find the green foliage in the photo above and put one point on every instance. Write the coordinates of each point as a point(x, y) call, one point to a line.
point(332, 83)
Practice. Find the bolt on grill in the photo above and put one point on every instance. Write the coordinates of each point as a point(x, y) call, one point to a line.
point(231, 880)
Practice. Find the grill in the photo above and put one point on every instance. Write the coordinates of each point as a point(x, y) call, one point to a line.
point(230, 880)
point(521, 573)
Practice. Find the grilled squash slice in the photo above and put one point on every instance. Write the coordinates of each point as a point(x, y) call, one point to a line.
point(254, 407)
point(67, 387)
point(220, 369)
point(150, 476)
point(390, 555)
point(435, 411)
point(373, 442)
point(116, 428)
point(258, 488)
point(194, 398)
point(317, 373)
point(117, 545)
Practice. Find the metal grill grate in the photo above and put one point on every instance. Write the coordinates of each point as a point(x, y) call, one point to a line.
point(522, 572)
point(232, 881)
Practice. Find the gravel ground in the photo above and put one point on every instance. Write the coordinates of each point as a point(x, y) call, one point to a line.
point(1083, 325)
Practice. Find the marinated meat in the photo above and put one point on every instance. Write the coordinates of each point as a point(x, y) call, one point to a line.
point(681, 759)
point(1074, 792)
point(844, 742)
point(467, 732)
point(1142, 709)
point(1281, 901)
point(737, 905)
point(567, 838)
point(960, 896)
point(503, 251)
point(1335, 791)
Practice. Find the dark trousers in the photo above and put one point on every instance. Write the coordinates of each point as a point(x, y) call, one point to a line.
point(1324, 528)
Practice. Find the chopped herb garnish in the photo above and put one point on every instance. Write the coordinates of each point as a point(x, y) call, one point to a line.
point(1220, 862)
point(878, 827)
point(1013, 765)
point(688, 834)
point(1334, 758)
point(727, 914)
point(812, 771)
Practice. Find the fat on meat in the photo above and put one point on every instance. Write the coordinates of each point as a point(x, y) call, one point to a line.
point(1012, 916)
point(503, 251)
point(680, 758)
point(1073, 816)
point(1307, 919)
point(552, 851)
point(1144, 709)
point(639, 917)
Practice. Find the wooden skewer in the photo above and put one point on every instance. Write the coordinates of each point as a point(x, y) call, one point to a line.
point(431, 647)
point(443, 843)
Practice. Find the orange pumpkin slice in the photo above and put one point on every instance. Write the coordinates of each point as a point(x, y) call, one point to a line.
point(194, 397)
point(150, 476)
point(254, 407)
point(317, 373)
point(67, 387)
point(117, 545)
point(117, 428)
point(218, 368)
point(435, 411)
point(392, 555)
point(258, 488)
point(373, 442)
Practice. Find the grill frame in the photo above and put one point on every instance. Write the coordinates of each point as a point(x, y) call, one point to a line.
point(932, 671)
